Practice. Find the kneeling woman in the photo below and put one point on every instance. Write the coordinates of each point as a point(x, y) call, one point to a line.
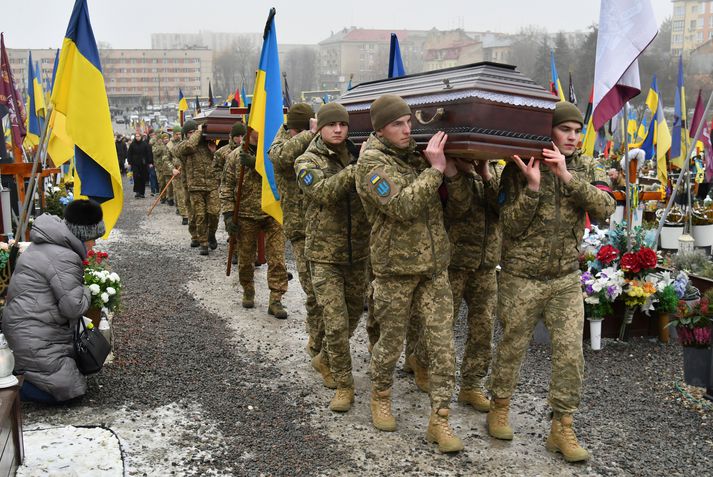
point(45, 299)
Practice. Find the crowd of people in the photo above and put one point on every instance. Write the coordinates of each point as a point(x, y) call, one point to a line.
point(413, 235)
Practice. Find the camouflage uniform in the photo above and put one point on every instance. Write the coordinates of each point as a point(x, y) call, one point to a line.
point(337, 246)
point(202, 185)
point(164, 167)
point(220, 157)
point(542, 232)
point(251, 221)
point(409, 253)
point(283, 152)
point(179, 189)
point(475, 237)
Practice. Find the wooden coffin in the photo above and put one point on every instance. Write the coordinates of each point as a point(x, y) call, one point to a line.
point(218, 122)
point(489, 110)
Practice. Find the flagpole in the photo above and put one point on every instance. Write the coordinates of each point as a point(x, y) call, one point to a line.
point(629, 215)
point(699, 131)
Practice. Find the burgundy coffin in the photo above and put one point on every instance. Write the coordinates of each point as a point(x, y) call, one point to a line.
point(218, 122)
point(489, 110)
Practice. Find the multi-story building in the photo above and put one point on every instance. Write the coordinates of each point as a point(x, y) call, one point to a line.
point(691, 25)
point(130, 75)
point(445, 49)
point(216, 41)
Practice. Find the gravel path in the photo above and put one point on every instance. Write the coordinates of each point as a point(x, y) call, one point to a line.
point(200, 386)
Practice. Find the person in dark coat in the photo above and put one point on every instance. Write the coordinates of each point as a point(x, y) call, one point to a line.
point(139, 157)
point(46, 297)
point(121, 152)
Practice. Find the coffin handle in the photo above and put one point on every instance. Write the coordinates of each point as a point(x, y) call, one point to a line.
point(419, 116)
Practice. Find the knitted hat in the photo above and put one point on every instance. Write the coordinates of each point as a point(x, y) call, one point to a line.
point(387, 108)
point(189, 126)
point(564, 112)
point(238, 129)
point(84, 219)
point(332, 113)
point(176, 128)
point(298, 116)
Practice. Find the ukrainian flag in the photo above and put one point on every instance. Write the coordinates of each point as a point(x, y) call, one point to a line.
point(79, 97)
point(266, 116)
point(60, 146)
point(678, 146)
point(35, 105)
point(555, 77)
point(182, 105)
point(658, 135)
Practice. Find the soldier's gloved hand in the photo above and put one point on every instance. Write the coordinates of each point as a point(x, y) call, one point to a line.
point(247, 160)
point(230, 227)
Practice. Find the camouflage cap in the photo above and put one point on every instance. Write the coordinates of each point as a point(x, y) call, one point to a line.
point(387, 108)
point(332, 113)
point(176, 128)
point(565, 111)
point(189, 126)
point(299, 115)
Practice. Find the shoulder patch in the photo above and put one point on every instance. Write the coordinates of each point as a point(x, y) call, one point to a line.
point(502, 197)
point(382, 186)
point(306, 177)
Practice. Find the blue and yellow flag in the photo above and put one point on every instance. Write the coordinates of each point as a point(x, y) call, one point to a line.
point(678, 144)
point(182, 106)
point(79, 97)
point(658, 139)
point(266, 116)
point(35, 106)
point(396, 64)
point(557, 85)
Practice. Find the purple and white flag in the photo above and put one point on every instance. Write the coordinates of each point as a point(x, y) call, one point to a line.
point(626, 28)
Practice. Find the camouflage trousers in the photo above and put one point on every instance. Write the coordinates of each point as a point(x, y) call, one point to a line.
point(274, 251)
point(340, 292)
point(372, 327)
point(162, 181)
point(205, 208)
point(314, 323)
point(181, 197)
point(479, 288)
point(521, 303)
point(399, 299)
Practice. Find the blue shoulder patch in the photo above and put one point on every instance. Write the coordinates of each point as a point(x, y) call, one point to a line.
point(306, 177)
point(502, 197)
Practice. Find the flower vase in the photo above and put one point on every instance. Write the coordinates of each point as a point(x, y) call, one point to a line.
point(696, 365)
point(628, 319)
point(664, 334)
point(595, 333)
point(95, 315)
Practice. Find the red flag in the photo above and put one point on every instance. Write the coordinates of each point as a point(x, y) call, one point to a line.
point(697, 115)
point(10, 97)
point(707, 150)
point(236, 99)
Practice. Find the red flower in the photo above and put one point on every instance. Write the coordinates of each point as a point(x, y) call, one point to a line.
point(647, 258)
point(103, 255)
point(90, 253)
point(85, 262)
point(630, 263)
point(704, 306)
point(607, 254)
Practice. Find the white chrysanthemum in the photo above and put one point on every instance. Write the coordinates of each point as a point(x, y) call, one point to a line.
point(114, 277)
point(94, 289)
point(105, 297)
point(111, 291)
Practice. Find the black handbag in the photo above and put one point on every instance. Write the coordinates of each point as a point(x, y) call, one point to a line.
point(91, 348)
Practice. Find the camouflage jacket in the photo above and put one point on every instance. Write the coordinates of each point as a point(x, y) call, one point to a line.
point(251, 193)
point(474, 231)
point(542, 230)
point(399, 191)
point(336, 227)
point(220, 157)
point(161, 158)
point(197, 161)
point(283, 152)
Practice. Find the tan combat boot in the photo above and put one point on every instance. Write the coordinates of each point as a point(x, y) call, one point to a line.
point(476, 398)
point(342, 400)
point(498, 425)
point(381, 415)
point(562, 439)
point(321, 367)
point(248, 299)
point(441, 433)
point(419, 372)
point(277, 310)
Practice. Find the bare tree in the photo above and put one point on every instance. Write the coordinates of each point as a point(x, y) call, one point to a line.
point(301, 66)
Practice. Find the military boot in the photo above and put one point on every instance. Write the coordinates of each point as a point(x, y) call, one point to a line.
point(563, 439)
point(212, 242)
point(381, 415)
point(498, 425)
point(277, 310)
point(170, 202)
point(248, 299)
point(322, 368)
point(195, 243)
point(419, 372)
point(184, 221)
point(342, 400)
point(476, 398)
point(203, 250)
point(441, 433)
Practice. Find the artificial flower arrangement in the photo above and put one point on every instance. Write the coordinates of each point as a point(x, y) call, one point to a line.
point(104, 285)
point(601, 290)
point(693, 321)
point(56, 199)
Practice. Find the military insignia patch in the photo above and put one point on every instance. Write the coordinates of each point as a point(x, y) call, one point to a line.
point(501, 197)
point(382, 186)
point(306, 177)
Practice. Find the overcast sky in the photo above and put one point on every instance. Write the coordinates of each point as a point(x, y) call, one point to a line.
point(129, 23)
